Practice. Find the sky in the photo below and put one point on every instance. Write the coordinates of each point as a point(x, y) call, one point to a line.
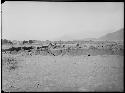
point(23, 20)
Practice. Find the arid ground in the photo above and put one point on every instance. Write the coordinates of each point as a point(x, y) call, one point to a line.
point(63, 73)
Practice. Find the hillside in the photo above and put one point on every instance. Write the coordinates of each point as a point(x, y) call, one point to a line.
point(117, 36)
point(114, 36)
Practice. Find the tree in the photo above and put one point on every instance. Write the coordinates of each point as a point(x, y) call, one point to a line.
point(25, 42)
point(77, 45)
point(5, 41)
point(31, 41)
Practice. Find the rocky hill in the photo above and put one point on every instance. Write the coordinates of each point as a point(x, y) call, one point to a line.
point(115, 36)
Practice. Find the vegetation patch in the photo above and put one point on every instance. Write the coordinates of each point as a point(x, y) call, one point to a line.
point(10, 63)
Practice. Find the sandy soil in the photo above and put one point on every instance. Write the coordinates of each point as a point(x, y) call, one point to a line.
point(65, 73)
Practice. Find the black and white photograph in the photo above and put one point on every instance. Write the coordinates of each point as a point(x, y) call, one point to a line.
point(62, 46)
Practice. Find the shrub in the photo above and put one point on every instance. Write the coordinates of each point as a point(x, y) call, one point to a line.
point(10, 63)
point(92, 47)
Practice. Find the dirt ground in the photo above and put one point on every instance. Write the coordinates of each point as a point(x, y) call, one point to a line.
point(65, 73)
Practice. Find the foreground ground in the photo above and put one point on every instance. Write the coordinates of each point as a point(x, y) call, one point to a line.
point(65, 73)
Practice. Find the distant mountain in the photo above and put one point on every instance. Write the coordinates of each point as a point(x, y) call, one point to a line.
point(87, 39)
point(65, 38)
point(114, 36)
point(73, 37)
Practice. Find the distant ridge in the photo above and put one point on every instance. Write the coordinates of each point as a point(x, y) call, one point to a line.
point(87, 39)
point(114, 36)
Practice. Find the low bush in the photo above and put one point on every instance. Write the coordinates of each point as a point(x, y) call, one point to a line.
point(10, 63)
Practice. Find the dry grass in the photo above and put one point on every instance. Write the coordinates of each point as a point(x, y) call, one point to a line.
point(65, 73)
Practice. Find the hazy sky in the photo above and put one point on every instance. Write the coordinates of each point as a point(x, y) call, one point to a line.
point(51, 20)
